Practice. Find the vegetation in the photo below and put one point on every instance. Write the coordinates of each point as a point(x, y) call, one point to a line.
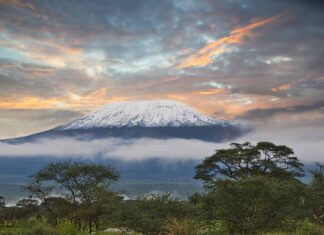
point(249, 189)
point(245, 160)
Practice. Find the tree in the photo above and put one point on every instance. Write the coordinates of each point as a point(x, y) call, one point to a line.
point(75, 181)
point(254, 204)
point(107, 207)
point(149, 215)
point(42, 191)
point(315, 195)
point(57, 208)
point(27, 203)
point(2, 201)
point(245, 160)
point(26, 208)
point(2, 209)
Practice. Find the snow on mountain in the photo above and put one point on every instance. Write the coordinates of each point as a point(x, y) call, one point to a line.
point(155, 113)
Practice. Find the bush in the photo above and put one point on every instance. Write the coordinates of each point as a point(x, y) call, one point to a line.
point(308, 228)
point(215, 228)
point(182, 227)
point(66, 228)
point(42, 229)
point(149, 215)
point(39, 227)
point(8, 233)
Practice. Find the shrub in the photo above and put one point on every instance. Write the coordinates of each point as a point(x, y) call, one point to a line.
point(66, 228)
point(149, 215)
point(8, 233)
point(182, 227)
point(308, 228)
point(217, 227)
point(39, 227)
point(42, 229)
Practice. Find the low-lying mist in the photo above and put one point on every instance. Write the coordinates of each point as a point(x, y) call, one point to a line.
point(307, 142)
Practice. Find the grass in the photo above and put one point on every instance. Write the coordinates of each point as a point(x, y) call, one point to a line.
point(22, 231)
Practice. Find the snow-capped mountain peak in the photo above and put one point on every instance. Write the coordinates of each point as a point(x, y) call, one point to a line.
point(155, 113)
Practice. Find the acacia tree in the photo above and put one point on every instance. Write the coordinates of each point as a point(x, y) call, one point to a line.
point(77, 182)
point(252, 188)
point(245, 160)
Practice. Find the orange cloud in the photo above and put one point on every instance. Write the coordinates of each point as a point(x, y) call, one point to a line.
point(29, 102)
point(178, 97)
point(236, 37)
point(282, 87)
point(211, 92)
point(73, 101)
point(46, 51)
point(171, 79)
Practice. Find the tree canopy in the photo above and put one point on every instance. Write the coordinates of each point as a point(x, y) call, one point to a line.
point(245, 160)
point(254, 204)
point(79, 183)
point(76, 180)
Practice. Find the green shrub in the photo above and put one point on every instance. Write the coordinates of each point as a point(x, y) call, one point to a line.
point(182, 227)
point(149, 215)
point(308, 228)
point(39, 227)
point(191, 226)
point(42, 229)
point(215, 228)
point(66, 228)
point(8, 233)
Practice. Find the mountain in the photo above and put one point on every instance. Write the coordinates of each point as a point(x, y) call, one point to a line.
point(152, 119)
point(163, 119)
point(156, 113)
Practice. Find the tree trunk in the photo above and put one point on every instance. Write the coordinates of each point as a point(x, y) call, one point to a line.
point(90, 225)
point(97, 223)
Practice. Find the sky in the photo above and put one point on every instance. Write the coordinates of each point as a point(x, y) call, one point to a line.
point(259, 61)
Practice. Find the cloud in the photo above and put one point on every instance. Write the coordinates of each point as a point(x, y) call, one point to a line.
point(71, 101)
point(220, 46)
point(270, 112)
point(32, 121)
point(211, 92)
point(281, 87)
point(59, 55)
point(111, 148)
point(307, 141)
point(18, 4)
point(169, 149)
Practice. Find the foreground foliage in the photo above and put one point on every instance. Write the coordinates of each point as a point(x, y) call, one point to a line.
point(249, 190)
